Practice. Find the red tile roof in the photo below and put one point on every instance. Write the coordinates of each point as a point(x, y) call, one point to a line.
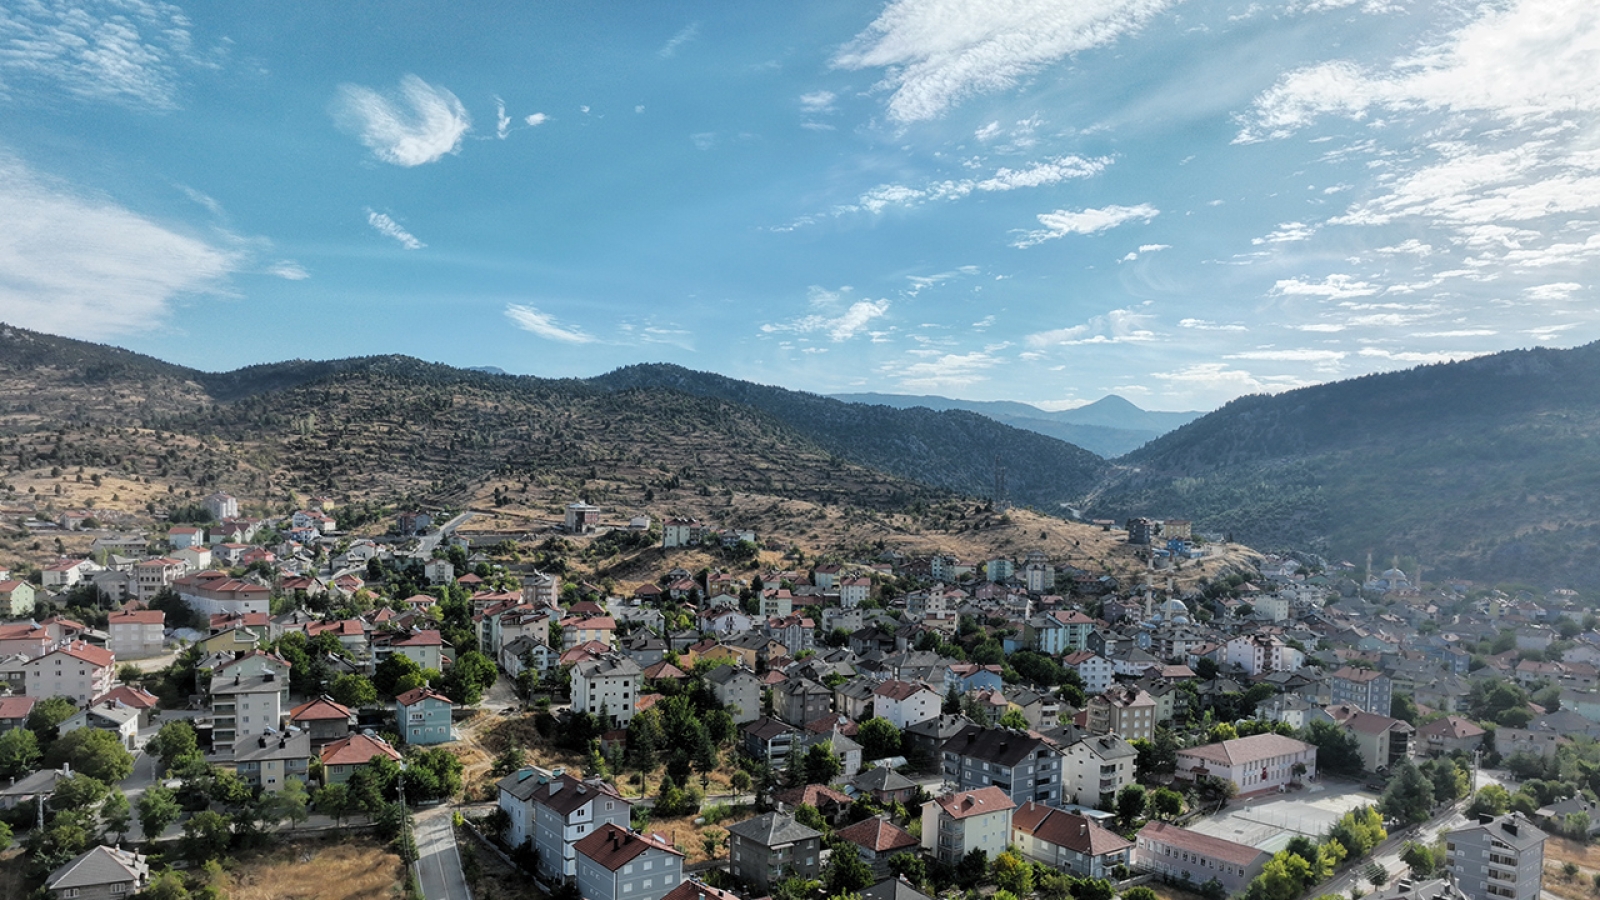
point(1065, 829)
point(1203, 844)
point(417, 695)
point(975, 803)
point(137, 617)
point(319, 709)
point(877, 835)
point(357, 750)
point(614, 847)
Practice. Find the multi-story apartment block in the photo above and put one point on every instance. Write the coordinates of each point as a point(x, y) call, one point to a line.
point(1020, 764)
point(738, 690)
point(906, 703)
point(16, 598)
point(1094, 769)
point(222, 506)
point(615, 863)
point(423, 717)
point(1095, 670)
point(607, 687)
point(763, 851)
point(1367, 688)
point(801, 700)
point(78, 670)
point(136, 634)
point(552, 811)
point(1123, 710)
point(1258, 654)
point(956, 824)
point(1497, 857)
point(150, 576)
point(267, 760)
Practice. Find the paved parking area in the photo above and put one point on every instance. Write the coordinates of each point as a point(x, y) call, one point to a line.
point(1271, 822)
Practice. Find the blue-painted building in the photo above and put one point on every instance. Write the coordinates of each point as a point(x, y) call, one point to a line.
point(423, 715)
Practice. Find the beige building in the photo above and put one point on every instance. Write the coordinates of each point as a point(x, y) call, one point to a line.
point(78, 670)
point(268, 760)
point(956, 824)
point(1261, 762)
point(1124, 710)
point(136, 634)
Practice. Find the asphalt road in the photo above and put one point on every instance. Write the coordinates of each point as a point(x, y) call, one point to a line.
point(438, 859)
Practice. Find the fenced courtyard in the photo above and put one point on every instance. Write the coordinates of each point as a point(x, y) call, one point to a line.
point(1270, 822)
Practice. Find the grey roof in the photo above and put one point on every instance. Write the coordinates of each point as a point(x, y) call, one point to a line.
point(608, 666)
point(38, 783)
point(725, 674)
point(100, 866)
point(1002, 746)
point(882, 778)
point(254, 684)
point(261, 747)
point(772, 829)
point(893, 889)
point(1512, 829)
point(114, 712)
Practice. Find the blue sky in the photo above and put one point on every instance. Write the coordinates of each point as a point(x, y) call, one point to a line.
point(1015, 199)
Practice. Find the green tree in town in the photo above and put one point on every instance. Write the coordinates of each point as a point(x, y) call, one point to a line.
point(1408, 796)
point(1130, 803)
point(176, 738)
point(47, 715)
point(353, 690)
point(846, 872)
point(878, 739)
point(1012, 873)
point(19, 753)
point(158, 809)
point(98, 754)
point(1165, 804)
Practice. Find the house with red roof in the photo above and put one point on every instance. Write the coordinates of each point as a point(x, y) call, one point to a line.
point(78, 670)
point(423, 717)
point(136, 634)
point(957, 824)
point(16, 598)
point(341, 758)
point(1181, 855)
point(1068, 841)
point(620, 864)
point(876, 839)
point(323, 719)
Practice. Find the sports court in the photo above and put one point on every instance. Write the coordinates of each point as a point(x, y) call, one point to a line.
point(1270, 822)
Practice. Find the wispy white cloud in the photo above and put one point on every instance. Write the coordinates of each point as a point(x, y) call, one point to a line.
point(1039, 174)
point(544, 325)
point(288, 270)
point(1294, 355)
point(831, 321)
point(1286, 233)
point(502, 122)
point(1207, 325)
point(537, 119)
point(83, 266)
point(131, 52)
point(1333, 287)
point(1084, 221)
point(1552, 292)
point(685, 35)
point(1516, 60)
point(948, 370)
point(817, 102)
point(1418, 358)
point(1143, 250)
point(1213, 379)
point(938, 52)
point(419, 124)
point(388, 227)
point(1119, 326)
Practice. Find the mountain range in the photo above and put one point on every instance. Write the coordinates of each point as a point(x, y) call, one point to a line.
point(1483, 469)
point(1110, 426)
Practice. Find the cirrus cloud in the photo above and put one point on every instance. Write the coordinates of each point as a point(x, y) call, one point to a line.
point(938, 52)
point(419, 124)
point(545, 325)
point(1084, 221)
